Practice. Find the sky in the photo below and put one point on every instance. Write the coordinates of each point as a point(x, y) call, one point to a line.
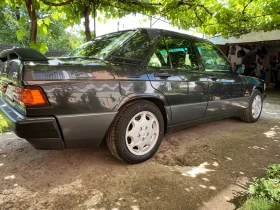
point(134, 21)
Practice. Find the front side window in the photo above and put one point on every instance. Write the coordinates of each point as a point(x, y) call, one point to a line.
point(211, 58)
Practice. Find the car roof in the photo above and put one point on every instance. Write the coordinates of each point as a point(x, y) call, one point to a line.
point(168, 31)
point(158, 30)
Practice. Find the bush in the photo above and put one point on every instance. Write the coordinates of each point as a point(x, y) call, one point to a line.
point(273, 171)
point(3, 125)
point(260, 204)
point(264, 193)
point(269, 186)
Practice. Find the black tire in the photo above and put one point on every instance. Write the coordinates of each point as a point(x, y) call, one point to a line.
point(247, 116)
point(116, 136)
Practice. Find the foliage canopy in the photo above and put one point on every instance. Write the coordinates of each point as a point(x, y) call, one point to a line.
point(16, 31)
point(211, 17)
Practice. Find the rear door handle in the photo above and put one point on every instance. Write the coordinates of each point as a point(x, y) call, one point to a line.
point(162, 74)
point(213, 77)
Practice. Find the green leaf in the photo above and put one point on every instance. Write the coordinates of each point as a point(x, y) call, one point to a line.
point(2, 2)
point(42, 30)
point(22, 21)
point(45, 30)
point(47, 21)
point(55, 16)
point(99, 19)
point(35, 45)
point(42, 47)
point(107, 15)
point(40, 22)
point(20, 34)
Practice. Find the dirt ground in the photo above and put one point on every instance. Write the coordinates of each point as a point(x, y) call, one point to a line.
point(204, 167)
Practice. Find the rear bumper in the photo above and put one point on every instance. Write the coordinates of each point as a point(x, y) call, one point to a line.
point(41, 132)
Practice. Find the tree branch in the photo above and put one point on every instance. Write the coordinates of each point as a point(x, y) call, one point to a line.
point(195, 12)
point(180, 3)
point(243, 11)
point(190, 4)
point(206, 10)
point(57, 4)
point(135, 2)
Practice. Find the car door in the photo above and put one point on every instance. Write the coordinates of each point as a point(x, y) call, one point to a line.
point(173, 70)
point(225, 88)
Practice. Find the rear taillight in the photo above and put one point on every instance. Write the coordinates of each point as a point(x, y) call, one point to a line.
point(30, 97)
point(4, 87)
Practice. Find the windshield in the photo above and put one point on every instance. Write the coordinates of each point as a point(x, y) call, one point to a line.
point(102, 45)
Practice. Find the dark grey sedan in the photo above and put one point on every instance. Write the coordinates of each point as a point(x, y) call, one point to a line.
point(128, 87)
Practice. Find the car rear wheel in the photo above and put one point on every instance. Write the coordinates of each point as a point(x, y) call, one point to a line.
point(136, 133)
point(253, 113)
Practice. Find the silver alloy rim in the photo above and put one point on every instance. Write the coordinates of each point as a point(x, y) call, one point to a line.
point(142, 133)
point(257, 107)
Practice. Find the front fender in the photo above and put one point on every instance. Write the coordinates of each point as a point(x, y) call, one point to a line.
point(252, 84)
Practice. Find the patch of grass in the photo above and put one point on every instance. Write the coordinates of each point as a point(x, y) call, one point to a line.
point(264, 193)
point(269, 186)
point(3, 125)
point(260, 204)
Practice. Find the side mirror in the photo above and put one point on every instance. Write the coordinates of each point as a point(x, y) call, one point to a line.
point(239, 69)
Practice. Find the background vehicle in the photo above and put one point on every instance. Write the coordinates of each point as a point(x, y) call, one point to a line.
point(129, 87)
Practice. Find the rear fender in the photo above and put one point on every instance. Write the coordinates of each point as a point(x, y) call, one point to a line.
point(157, 98)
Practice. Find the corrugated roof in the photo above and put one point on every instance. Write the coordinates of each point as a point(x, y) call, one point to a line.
point(254, 36)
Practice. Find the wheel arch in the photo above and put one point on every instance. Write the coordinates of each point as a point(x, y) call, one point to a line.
point(158, 101)
point(258, 88)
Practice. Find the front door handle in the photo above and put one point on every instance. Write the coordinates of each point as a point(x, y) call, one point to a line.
point(162, 74)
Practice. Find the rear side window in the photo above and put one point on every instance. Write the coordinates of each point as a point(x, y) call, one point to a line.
point(211, 58)
point(136, 50)
point(181, 53)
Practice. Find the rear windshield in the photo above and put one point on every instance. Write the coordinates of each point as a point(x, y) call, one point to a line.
point(102, 45)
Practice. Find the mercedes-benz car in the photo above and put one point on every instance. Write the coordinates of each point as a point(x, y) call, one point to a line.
point(128, 88)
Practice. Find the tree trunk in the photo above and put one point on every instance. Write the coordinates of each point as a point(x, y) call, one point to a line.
point(95, 4)
point(87, 27)
point(33, 17)
point(17, 13)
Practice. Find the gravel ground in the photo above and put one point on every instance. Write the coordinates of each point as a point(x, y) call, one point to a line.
point(204, 167)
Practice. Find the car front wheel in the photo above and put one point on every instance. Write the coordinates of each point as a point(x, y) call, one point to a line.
point(136, 133)
point(253, 113)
